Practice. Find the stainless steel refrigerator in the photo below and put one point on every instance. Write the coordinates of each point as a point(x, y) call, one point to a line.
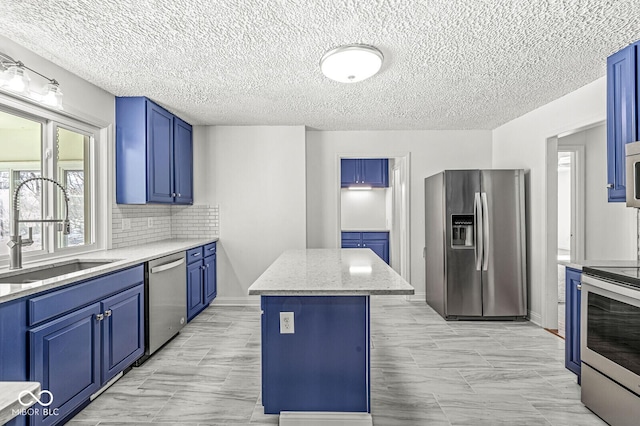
point(475, 244)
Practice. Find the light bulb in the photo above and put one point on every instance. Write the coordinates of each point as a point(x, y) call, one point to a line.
point(17, 79)
point(52, 96)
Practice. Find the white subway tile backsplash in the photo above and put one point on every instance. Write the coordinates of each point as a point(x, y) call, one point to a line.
point(167, 222)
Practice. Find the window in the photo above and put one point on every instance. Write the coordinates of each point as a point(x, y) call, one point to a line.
point(32, 146)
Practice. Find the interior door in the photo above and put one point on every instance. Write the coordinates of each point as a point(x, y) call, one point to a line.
point(504, 267)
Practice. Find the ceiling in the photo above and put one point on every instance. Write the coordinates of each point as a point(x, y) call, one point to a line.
point(471, 64)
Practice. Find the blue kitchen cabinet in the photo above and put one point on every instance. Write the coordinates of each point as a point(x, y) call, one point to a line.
point(573, 279)
point(195, 290)
point(324, 365)
point(154, 154)
point(623, 71)
point(210, 285)
point(122, 331)
point(183, 164)
point(376, 241)
point(65, 359)
point(201, 279)
point(364, 171)
point(82, 336)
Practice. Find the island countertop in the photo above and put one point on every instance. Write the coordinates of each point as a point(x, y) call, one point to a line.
point(324, 272)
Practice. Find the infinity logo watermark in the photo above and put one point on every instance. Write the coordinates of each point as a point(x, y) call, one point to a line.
point(38, 400)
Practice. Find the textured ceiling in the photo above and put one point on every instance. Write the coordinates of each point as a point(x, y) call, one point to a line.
point(468, 64)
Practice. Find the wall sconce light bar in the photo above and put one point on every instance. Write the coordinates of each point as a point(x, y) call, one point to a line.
point(15, 79)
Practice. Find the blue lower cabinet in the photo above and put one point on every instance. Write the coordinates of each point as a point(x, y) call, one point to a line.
point(324, 365)
point(65, 359)
point(75, 349)
point(195, 290)
point(573, 279)
point(122, 331)
point(376, 241)
point(202, 285)
point(210, 285)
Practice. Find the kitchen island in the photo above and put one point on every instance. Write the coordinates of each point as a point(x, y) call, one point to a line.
point(315, 328)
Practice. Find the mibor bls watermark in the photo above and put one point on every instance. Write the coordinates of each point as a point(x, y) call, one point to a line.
point(41, 406)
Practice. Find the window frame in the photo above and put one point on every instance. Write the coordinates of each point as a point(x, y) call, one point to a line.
point(51, 120)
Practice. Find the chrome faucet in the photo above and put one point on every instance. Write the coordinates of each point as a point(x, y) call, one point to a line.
point(16, 242)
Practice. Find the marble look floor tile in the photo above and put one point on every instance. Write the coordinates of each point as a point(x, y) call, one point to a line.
point(406, 383)
point(447, 358)
point(425, 371)
point(519, 358)
point(206, 407)
point(189, 378)
point(499, 410)
point(508, 382)
point(126, 404)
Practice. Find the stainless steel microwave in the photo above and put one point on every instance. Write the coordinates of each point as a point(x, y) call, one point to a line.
point(632, 164)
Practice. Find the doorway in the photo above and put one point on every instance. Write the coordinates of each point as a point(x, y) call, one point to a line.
point(380, 209)
point(570, 217)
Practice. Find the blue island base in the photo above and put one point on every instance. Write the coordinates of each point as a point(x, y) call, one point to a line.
point(324, 364)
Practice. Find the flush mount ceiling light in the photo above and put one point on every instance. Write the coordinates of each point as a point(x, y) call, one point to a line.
point(351, 63)
point(15, 79)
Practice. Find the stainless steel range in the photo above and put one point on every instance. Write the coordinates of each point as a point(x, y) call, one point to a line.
point(610, 343)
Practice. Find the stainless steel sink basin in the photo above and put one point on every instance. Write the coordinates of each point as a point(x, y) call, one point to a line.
point(49, 271)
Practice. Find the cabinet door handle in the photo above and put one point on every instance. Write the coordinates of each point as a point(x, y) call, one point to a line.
point(195, 254)
point(99, 317)
point(179, 194)
point(609, 185)
point(173, 194)
point(107, 313)
point(202, 267)
point(364, 245)
point(579, 286)
point(212, 249)
point(207, 266)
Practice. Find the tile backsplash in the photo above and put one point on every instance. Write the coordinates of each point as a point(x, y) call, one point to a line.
point(149, 223)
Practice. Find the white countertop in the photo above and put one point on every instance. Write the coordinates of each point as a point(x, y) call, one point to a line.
point(10, 401)
point(599, 263)
point(125, 257)
point(321, 272)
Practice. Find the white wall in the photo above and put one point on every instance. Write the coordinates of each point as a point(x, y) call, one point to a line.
point(256, 174)
point(364, 210)
point(430, 152)
point(522, 143)
point(609, 227)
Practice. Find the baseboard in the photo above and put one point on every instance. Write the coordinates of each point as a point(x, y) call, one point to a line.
point(535, 318)
point(237, 301)
point(422, 297)
point(324, 418)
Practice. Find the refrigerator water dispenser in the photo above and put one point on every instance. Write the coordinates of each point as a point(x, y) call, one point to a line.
point(462, 234)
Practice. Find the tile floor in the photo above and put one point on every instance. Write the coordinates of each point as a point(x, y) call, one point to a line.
point(425, 371)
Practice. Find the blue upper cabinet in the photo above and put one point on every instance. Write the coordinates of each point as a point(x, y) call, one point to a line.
point(154, 154)
point(159, 154)
point(623, 71)
point(364, 171)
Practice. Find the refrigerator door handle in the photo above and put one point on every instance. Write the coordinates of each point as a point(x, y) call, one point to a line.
point(485, 232)
point(478, 246)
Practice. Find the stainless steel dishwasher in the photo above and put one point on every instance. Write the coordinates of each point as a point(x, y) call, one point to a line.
point(166, 299)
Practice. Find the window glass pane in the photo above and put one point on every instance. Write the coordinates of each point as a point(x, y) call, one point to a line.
point(73, 172)
point(20, 157)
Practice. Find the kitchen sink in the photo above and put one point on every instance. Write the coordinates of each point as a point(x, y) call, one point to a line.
point(49, 271)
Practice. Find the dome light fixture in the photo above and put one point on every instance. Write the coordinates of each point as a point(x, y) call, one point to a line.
point(351, 63)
